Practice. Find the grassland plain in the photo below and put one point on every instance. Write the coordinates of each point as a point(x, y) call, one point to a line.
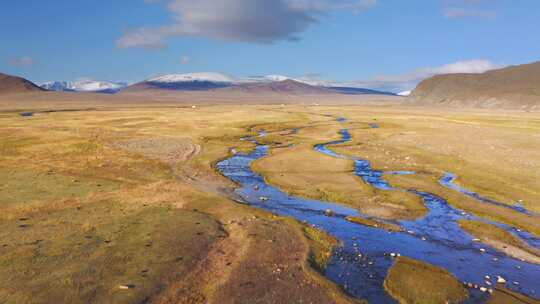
point(493, 153)
point(489, 151)
point(87, 203)
point(90, 213)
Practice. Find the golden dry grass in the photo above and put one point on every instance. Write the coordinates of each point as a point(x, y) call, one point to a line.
point(429, 183)
point(505, 296)
point(493, 152)
point(78, 207)
point(374, 223)
point(501, 239)
point(302, 171)
point(66, 183)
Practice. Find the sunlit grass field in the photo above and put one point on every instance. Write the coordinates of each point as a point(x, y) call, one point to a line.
point(125, 205)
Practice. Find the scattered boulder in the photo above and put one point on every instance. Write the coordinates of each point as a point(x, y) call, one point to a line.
point(329, 212)
point(126, 287)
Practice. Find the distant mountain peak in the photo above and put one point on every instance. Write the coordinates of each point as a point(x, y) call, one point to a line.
point(193, 77)
point(212, 81)
point(94, 86)
point(404, 93)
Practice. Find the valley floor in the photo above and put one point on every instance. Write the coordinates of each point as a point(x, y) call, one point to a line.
point(124, 205)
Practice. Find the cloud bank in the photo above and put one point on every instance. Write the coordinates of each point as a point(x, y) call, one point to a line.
point(407, 81)
point(254, 21)
point(454, 9)
point(185, 60)
point(24, 61)
point(453, 13)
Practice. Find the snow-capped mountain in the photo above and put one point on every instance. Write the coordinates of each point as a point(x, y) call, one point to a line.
point(186, 82)
point(193, 77)
point(219, 78)
point(265, 78)
point(84, 86)
point(265, 83)
point(404, 93)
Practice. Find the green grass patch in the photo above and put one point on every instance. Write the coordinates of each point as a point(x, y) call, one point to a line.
point(83, 255)
point(322, 245)
point(485, 232)
point(413, 282)
point(374, 223)
point(20, 186)
point(88, 147)
point(12, 146)
point(505, 296)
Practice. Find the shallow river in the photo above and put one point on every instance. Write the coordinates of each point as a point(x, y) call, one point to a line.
point(361, 263)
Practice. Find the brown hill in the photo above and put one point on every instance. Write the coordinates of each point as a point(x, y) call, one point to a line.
point(139, 87)
point(511, 87)
point(13, 84)
point(280, 87)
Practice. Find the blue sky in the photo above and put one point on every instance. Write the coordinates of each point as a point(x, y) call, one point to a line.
point(374, 43)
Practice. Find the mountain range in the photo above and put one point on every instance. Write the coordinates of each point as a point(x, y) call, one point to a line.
point(510, 87)
point(195, 82)
point(259, 84)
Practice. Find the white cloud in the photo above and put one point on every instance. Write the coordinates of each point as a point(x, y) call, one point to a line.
point(454, 9)
point(258, 21)
point(469, 66)
point(453, 13)
point(407, 81)
point(325, 5)
point(185, 60)
point(24, 61)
